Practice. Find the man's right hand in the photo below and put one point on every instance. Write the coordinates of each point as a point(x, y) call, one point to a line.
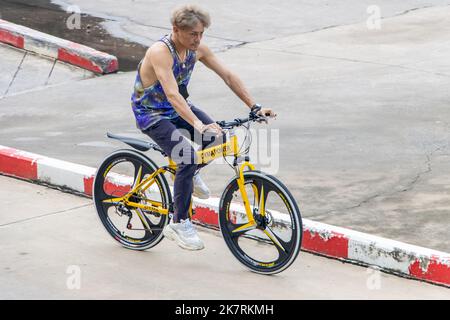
point(212, 127)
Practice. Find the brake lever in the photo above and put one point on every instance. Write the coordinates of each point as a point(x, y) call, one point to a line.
point(258, 118)
point(253, 116)
point(262, 119)
point(221, 123)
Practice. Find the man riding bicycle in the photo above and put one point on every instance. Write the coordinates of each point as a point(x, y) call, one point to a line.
point(162, 111)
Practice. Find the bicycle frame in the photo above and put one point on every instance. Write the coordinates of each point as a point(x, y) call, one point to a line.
point(229, 148)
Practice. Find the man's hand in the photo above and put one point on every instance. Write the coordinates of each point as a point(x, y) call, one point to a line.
point(212, 127)
point(266, 112)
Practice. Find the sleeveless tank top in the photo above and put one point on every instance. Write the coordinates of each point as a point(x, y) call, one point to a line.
point(150, 104)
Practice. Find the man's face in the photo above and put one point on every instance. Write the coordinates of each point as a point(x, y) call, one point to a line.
point(190, 38)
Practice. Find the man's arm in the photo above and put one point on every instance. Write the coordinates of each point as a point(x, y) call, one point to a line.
point(210, 60)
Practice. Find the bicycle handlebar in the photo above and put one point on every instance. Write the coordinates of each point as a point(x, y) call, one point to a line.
point(240, 121)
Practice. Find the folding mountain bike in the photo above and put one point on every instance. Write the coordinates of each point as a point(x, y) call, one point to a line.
point(258, 217)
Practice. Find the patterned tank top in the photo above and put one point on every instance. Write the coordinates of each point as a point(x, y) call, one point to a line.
point(150, 104)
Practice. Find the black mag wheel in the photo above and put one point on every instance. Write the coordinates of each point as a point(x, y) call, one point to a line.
point(134, 228)
point(272, 244)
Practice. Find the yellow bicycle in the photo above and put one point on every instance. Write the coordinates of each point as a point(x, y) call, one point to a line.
point(258, 217)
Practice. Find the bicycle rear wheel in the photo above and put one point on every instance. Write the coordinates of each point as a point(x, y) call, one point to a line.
point(134, 228)
point(272, 243)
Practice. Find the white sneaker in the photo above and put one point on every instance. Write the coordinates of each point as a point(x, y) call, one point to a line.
point(184, 234)
point(201, 190)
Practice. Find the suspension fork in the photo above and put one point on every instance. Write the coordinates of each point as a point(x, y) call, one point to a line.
point(241, 185)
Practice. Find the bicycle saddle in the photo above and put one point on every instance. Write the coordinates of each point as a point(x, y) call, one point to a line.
point(138, 144)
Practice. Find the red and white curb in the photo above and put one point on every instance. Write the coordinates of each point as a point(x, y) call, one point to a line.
point(57, 48)
point(335, 242)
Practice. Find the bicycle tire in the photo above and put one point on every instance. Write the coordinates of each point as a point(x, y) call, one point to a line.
point(102, 191)
point(227, 226)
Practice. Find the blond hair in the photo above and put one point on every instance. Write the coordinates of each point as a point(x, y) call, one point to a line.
point(187, 17)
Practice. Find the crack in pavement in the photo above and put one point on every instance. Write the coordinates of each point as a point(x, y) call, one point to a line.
point(51, 72)
point(45, 215)
point(15, 75)
point(117, 19)
point(347, 59)
point(242, 42)
point(420, 174)
point(232, 46)
point(354, 60)
point(342, 25)
point(407, 188)
point(306, 32)
point(122, 32)
point(414, 9)
point(349, 24)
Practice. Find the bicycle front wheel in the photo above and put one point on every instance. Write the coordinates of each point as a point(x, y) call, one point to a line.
point(133, 227)
point(272, 242)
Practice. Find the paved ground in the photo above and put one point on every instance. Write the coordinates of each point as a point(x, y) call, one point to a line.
point(136, 24)
point(52, 237)
point(23, 71)
point(363, 120)
point(235, 22)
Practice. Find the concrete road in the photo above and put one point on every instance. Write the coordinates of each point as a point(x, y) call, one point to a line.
point(363, 121)
point(235, 22)
point(54, 247)
point(23, 71)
